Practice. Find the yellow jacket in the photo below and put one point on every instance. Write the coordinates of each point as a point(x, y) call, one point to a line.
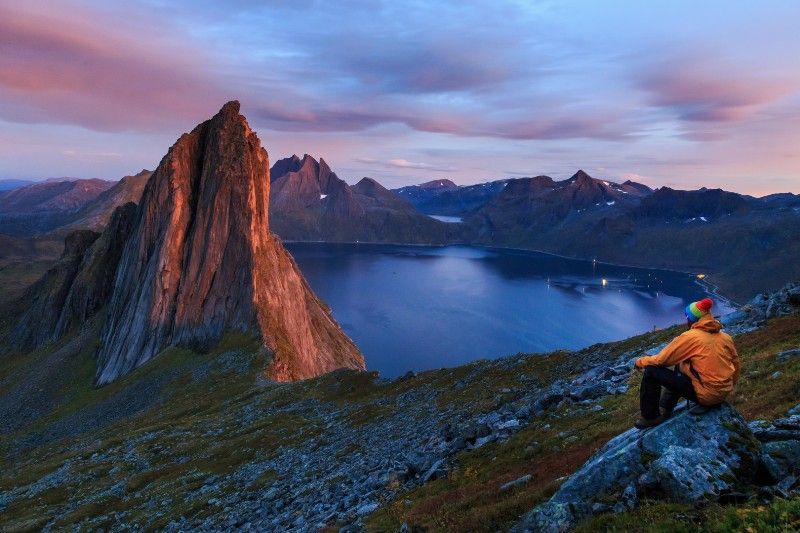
point(706, 355)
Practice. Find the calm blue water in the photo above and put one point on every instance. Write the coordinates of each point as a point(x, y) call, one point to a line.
point(416, 308)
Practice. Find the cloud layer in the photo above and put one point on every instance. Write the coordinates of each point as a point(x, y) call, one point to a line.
point(400, 87)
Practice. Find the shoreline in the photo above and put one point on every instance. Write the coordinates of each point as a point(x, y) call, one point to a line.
point(709, 287)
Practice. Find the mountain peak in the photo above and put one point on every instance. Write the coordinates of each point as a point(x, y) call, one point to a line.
point(284, 166)
point(201, 261)
point(443, 184)
point(581, 177)
point(367, 182)
point(230, 109)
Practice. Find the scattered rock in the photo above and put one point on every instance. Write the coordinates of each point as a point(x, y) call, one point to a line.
point(435, 472)
point(788, 354)
point(786, 453)
point(516, 483)
point(366, 509)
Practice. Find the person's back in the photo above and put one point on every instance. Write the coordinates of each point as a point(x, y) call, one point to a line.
point(707, 367)
point(712, 362)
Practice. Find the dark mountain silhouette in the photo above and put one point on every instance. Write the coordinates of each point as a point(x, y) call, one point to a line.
point(669, 204)
point(541, 205)
point(443, 197)
point(747, 244)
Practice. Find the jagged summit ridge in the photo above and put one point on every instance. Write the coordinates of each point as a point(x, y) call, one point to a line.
point(202, 261)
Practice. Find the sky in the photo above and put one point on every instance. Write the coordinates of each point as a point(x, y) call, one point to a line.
point(681, 94)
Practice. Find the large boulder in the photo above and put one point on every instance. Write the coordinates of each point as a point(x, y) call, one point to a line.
point(781, 440)
point(686, 459)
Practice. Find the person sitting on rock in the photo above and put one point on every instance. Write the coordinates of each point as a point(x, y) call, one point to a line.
point(706, 368)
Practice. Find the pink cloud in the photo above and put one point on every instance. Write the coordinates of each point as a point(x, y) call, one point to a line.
point(697, 91)
point(55, 68)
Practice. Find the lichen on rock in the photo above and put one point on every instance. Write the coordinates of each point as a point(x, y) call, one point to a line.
point(686, 459)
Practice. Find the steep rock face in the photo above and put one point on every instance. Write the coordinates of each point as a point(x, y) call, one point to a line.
point(283, 166)
point(77, 287)
point(44, 300)
point(201, 261)
point(92, 286)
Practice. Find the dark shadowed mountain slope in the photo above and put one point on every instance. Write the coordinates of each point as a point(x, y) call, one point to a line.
point(281, 167)
point(443, 197)
point(540, 205)
point(201, 261)
point(670, 204)
point(744, 243)
point(76, 287)
point(41, 305)
point(311, 203)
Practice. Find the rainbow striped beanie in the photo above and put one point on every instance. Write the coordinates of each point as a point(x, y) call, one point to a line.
point(696, 310)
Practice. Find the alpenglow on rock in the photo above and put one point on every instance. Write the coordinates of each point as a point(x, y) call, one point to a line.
point(201, 261)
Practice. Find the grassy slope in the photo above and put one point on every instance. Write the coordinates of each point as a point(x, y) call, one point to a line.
point(193, 429)
point(23, 261)
point(469, 498)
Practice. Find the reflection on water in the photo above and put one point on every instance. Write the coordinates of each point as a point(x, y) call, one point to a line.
point(414, 308)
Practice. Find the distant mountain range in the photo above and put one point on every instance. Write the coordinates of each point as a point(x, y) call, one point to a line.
point(53, 204)
point(443, 197)
point(744, 243)
point(311, 203)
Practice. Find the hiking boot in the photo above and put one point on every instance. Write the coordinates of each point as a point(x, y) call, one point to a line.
point(644, 423)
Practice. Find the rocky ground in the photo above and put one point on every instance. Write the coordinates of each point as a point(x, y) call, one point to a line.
point(212, 445)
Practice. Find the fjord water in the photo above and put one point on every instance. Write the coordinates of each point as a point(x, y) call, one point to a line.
point(416, 307)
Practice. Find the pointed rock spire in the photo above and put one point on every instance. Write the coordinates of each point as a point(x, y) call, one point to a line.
point(201, 261)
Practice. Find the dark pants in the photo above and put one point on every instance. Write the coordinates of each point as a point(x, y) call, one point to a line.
point(676, 386)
